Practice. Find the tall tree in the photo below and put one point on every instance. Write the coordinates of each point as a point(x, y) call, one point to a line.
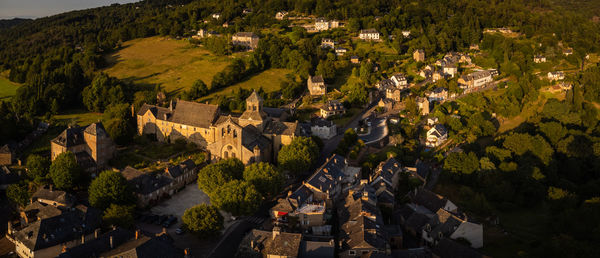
point(109, 188)
point(203, 220)
point(298, 156)
point(237, 197)
point(265, 177)
point(64, 171)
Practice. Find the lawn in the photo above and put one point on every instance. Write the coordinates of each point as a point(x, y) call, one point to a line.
point(173, 64)
point(78, 116)
point(269, 80)
point(7, 88)
point(375, 46)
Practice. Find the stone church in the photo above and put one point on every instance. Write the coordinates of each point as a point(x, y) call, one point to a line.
point(257, 135)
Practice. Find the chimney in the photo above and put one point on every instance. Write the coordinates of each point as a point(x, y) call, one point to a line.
point(96, 233)
point(276, 232)
point(186, 252)
point(50, 188)
point(137, 234)
point(289, 193)
point(64, 248)
point(82, 239)
point(111, 242)
point(9, 230)
point(171, 105)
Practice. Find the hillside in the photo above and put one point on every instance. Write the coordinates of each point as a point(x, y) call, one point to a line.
point(172, 64)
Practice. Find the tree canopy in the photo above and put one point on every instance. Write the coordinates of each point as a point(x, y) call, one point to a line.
point(265, 177)
point(64, 171)
point(109, 188)
point(237, 197)
point(298, 156)
point(203, 220)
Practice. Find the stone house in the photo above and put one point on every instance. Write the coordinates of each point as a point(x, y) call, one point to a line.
point(322, 24)
point(182, 174)
point(316, 85)
point(385, 181)
point(92, 146)
point(327, 43)
point(369, 34)
point(332, 108)
point(355, 60)
point(260, 243)
point(438, 94)
point(454, 226)
point(340, 51)
point(252, 137)
point(475, 79)
point(539, 59)
point(419, 55)
point(7, 155)
point(149, 188)
point(323, 128)
point(245, 39)
point(423, 104)
point(280, 15)
point(436, 136)
point(393, 94)
point(399, 81)
point(555, 76)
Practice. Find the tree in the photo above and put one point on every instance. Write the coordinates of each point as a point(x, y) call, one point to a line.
point(37, 167)
point(117, 123)
point(109, 188)
point(214, 175)
point(265, 177)
point(18, 194)
point(203, 220)
point(460, 162)
point(119, 215)
point(298, 156)
point(65, 171)
point(237, 197)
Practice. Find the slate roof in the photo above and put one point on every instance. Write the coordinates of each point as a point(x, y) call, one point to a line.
point(274, 112)
point(184, 112)
point(445, 223)
point(333, 105)
point(96, 129)
point(146, 246)
point(476, 75)
point(5, 149)
point(314, 249)
point(387, 169)
point(363, 233)
point(438, 130)
point(245, 34)
point(421, 252)
point(300, 196)
point(368, 31)
point(71, 136)
point(451, 249)
point(429, 199)
point(281, 128)
point(285, 244)
point(316, 79)
point(71, 224)
point(144, 183)
point(416, 222)
point(252, 137)
point(95, 247)
point(320, 122)
point(328, 175)
point(58, 196)
point(41, 211)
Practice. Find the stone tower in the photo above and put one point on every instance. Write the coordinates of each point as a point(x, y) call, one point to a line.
point(254, 114)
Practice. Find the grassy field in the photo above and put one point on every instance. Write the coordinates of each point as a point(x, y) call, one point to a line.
point(173, 64)
point(7, 88)
point(81, 117)
point(376, 46)
point(269, 80)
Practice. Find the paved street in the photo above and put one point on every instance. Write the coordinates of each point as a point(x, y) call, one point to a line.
point(378, 131)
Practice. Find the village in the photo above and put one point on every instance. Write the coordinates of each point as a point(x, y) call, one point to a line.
point(338, 207)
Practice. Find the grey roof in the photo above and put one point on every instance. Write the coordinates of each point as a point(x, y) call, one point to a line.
point(252, 137)
point(440, 130)
point(5, 149)
point(8, 177)
point(320, 122)
point(245, 34)
point(144, 183)
point(329, 174)
point(416, 221)
point(368, 31)
point(421, 252)
point(281, 128)
point(37, 210)
point(95, 247)
point(58, 196)
point(387, 169)
point(314, 249)
point(333, 105)
point(274, 112)
point(476, 75)
point(429, 199)
point(71, 224)
point(71, 136)
point(450, 249)
point(184, 112)
point(180, 169)
point(284, 244)
point(316, 79)
point(363, 233)
point(96, 129)
point(146, 246)
point(445, 223)
point(300, 196)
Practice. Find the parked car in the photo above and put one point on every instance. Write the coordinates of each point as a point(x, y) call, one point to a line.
point(170, 221)
point(162, 219)
point(179, 231)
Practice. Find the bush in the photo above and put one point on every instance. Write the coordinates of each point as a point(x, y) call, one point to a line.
point(203, 220)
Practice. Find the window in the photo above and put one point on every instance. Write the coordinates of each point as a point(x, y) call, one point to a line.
point(365, 251)
point(352, 253)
